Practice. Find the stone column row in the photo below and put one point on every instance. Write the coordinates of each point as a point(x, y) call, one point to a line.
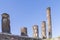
point(6, 26)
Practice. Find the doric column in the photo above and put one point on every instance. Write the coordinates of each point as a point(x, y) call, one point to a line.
point(23, 31)
point(5, 23)
point(35, 31)
point(49, 22)
point(43, 29)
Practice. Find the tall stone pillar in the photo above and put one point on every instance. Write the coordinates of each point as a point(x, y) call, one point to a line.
point(35, 31)
point(5, 23)
point(23, 31)
point(49, 22)
point(43, 30)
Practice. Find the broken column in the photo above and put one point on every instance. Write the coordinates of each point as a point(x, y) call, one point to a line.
point(23, 31)
point(35, 31)
point(49, 22)
point(43, 30)
point(5, 23)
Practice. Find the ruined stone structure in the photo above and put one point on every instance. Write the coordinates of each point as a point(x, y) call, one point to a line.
point(24, 31)
point(35, 31)
point(43, 29)
point(49, 22)
point(5, 23)
point(6, 34)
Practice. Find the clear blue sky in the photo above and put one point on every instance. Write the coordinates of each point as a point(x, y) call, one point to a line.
point(29, 12)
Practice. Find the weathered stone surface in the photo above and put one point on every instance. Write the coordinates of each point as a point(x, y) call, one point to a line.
point(35, 31)
point(5, 23)
point(24, 31)
point(6, 36)
point(49, 22)
point(43, 29)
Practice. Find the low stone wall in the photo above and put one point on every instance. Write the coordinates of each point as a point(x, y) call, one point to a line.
point(5, 36)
